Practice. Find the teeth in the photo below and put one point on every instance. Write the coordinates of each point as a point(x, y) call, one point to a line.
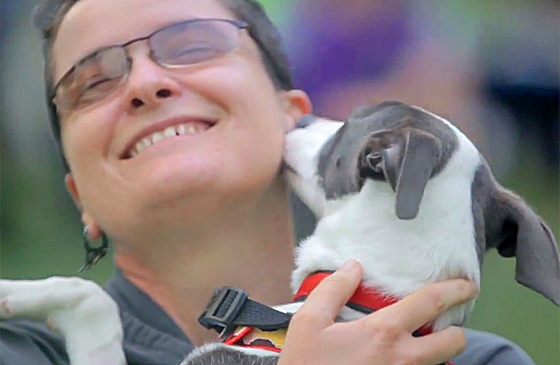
point(201, 127)
point(146, 142)
point(156, 137)
point(171, 131)
point(183, 129)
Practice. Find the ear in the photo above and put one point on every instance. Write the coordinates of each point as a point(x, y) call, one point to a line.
point(514, 229)
point(297, 104)
point(407, 158)
point(87, 219)
point(73, 189)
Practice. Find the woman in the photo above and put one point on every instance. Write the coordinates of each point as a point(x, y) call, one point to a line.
point(171, 116)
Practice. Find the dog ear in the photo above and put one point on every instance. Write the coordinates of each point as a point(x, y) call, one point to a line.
point(514, 229)
point(407, 159)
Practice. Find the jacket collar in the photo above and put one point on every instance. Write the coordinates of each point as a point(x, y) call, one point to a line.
point(151, 336)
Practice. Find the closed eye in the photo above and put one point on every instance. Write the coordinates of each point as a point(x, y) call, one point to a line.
point(96, 83)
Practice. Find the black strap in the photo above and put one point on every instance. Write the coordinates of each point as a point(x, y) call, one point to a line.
point(230, 307)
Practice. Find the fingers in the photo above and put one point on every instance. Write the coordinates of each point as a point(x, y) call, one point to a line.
point(383, 337)
point(325, 301)
point(424, 305)
point(438, 347)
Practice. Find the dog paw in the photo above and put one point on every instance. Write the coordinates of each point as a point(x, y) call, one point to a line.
point(39, 299)
point(5, 309)
point(79, 309)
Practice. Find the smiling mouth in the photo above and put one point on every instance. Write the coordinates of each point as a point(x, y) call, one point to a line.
point(172, 131)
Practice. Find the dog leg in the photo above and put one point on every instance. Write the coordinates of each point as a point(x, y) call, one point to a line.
point(80, 310)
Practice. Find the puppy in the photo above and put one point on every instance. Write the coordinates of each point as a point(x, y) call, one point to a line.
point(397, 188)
point(408, 195)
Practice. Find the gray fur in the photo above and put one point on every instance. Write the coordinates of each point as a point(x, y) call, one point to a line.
point(229, 356)
point(346, 159)
point(420, 153)
point(505, 222)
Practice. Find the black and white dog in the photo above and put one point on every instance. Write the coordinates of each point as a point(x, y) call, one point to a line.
point(398, 188)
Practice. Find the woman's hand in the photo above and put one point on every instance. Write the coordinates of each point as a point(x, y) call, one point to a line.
point(384, 337)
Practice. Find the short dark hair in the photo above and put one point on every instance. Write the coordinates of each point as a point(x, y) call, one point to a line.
point(49, 15)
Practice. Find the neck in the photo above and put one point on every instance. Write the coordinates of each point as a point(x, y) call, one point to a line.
point(236, 249)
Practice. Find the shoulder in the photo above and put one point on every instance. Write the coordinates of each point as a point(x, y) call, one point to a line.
point(28, 342)
point(490, 349)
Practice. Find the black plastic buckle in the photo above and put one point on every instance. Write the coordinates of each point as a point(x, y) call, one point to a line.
point(221, 310)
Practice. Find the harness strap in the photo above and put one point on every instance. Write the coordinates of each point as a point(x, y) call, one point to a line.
point(364, 299)
point(247, 323)
point(230, 308)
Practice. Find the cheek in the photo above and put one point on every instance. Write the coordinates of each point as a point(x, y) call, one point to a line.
point(77, 147)
point(248, 95)
point(239, 84)
point(86, 138)
point(257, 110)
point(256, 126)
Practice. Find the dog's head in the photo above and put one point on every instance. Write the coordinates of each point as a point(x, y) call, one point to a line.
point(404, 146)
point(393, 142)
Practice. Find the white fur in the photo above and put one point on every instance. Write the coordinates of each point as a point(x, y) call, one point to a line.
point(398, 256)
point(302, 149)
point(81, 310)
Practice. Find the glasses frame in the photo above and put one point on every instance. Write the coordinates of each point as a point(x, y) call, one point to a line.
point(237, 23)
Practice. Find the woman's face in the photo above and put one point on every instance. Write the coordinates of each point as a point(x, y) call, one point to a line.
point(236, 159)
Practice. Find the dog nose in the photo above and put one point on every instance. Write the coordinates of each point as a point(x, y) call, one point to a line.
point(306, 120)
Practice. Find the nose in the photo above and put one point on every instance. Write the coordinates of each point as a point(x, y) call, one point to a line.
point(149, 85)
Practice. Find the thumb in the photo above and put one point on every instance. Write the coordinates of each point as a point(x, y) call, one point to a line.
point(325, 301)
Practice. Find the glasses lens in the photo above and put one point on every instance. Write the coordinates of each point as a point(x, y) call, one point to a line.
point(93, 78)
point(194, 41)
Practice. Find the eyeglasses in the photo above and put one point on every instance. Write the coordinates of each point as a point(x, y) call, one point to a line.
point(178, 45)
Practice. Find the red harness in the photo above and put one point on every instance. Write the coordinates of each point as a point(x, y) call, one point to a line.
point(365, 299)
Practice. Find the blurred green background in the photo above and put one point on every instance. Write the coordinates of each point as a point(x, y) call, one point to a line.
point(490, 65)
